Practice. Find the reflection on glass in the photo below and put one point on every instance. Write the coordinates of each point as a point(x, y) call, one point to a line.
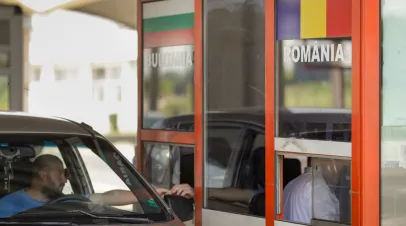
point(314, 88)
point(168, 59)
point(393, 127)
point(4, 60)
point(221, 144)
point(4, 93)
point(157, 164)
point(5, 32)
point(320, 192)
point(331, 189)
point(168, 83)
point(233, 83)
point(166, 165)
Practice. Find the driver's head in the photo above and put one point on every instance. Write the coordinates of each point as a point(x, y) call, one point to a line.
point(49, 175)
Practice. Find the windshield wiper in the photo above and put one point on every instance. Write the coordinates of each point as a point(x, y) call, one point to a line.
point(75, 213)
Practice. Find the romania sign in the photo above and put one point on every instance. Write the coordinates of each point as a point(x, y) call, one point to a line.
point(314, 53)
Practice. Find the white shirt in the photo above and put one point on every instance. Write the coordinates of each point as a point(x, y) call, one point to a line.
point(298, 199)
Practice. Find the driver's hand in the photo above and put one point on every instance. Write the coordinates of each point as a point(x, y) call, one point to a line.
point(162, 191)
point(183, 190)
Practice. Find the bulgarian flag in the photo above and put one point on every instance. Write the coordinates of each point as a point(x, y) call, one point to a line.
point(168, 23)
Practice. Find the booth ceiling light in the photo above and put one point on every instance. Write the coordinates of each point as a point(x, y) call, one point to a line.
point(41, 6)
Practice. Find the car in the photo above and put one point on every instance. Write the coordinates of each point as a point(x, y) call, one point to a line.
point(92, 165)
point(237, 140)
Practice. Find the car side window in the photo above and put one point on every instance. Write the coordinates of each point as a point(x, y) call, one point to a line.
point(252, 168)
point(221, 151)
point(101, 176)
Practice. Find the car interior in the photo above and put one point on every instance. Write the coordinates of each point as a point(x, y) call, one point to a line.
point(16, 160)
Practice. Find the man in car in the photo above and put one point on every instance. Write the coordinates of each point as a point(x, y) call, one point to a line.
point(48, 181)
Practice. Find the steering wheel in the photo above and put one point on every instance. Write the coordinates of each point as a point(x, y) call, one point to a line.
point(69, 198)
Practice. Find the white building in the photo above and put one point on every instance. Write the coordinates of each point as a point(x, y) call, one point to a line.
point(83, 68)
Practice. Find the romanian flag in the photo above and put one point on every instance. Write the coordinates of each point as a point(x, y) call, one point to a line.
point(307, 19)
point(168, 23)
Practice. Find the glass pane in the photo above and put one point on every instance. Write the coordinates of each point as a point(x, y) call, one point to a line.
point(4, 60)
point(5, 32)
point(234, 99)
point(98, 170)
point(168, 61)
point(157, 167)
point(314, 89)
point(170, 166)
point(393, 120)
point(331, 188)
point(167, 165)
point(317, 188)
point(313, 95)
point(4, 93)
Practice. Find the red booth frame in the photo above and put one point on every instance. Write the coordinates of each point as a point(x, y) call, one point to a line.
point(365, 183)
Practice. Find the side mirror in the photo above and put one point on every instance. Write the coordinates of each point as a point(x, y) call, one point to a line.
point(183, 207)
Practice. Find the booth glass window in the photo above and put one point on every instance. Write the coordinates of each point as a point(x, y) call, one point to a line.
point(4, 93)
point(313, 108)
point(4, 60)
point(234, 118)
point(5, 32)
point(314, 89)
point(393, 113)
point(328, 179)
point(168, 61)
point(166, 165)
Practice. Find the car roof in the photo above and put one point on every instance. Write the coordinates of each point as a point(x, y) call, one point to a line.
point(256, 116)
point(25, 123)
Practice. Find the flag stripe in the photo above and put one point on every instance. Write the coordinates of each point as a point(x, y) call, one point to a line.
point(338, 18)
point(167, 8)
point(168, 23)
point(168, 38)
point(288, 19)
point(313, 19)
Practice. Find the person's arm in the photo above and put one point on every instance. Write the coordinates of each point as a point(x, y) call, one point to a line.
point(114, 198)
point(232, 194)
point(119, 197)
point(226, 194)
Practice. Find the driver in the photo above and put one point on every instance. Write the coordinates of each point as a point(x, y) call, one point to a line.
point(48, 181)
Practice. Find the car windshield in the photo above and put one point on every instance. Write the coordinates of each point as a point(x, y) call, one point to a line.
point(52, 178)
